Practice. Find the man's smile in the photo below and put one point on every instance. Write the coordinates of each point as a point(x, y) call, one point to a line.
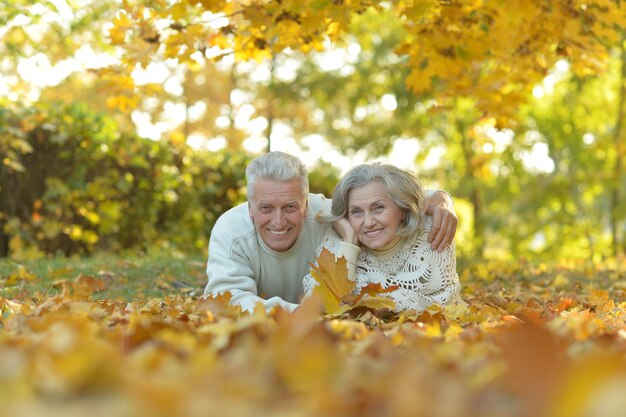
point(276, 232)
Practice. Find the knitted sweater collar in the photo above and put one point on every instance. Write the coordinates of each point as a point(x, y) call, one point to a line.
point(389, 249)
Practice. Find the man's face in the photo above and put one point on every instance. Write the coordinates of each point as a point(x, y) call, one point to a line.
point(277, 210)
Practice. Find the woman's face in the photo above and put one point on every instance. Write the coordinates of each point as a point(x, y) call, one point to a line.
point(373, 214)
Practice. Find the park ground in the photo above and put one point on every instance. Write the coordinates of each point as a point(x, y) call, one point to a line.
point(130, 336)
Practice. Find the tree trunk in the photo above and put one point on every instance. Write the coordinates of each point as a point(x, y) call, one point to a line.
point(232, 137)
point(187, 83)
point(620, 145)
point(474, 192)
point(270, 107)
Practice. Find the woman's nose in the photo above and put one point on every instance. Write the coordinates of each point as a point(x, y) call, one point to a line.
point(369, 219)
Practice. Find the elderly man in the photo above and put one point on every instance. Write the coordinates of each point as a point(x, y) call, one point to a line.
point(260, 251)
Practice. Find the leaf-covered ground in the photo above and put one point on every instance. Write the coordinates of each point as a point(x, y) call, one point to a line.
point(533, 340)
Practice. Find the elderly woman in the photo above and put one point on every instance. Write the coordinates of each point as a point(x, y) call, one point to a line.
point(380, 228)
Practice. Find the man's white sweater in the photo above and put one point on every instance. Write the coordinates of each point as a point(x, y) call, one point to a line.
point(240, 262)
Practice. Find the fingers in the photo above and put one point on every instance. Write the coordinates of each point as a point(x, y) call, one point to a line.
point(345, 230)
point(445, 235)
point(443, 229)
point(436, 227)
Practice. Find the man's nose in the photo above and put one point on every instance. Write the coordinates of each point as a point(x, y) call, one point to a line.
point(278, 219)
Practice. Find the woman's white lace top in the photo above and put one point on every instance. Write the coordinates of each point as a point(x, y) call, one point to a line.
point(423, 276)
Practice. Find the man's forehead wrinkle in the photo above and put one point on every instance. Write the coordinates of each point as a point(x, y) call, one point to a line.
point(273, 203)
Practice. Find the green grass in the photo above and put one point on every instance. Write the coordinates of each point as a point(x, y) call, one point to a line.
point(128, 277)
point(161, 273)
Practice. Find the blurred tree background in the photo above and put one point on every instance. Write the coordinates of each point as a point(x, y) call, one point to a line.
point(128, 125)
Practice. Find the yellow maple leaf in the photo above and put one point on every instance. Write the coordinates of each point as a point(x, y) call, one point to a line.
point(369, 297)
point(21, 275)
point(217, 306)
point(375, 303)
point(332, 275)
point(84, 287)
point(456, 311)
point(418, 10)
point(336, 291)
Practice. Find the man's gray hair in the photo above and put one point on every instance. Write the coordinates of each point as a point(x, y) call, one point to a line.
point(279, 167)
point(403, 187)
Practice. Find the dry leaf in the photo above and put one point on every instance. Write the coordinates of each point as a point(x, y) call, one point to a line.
point(336, 291)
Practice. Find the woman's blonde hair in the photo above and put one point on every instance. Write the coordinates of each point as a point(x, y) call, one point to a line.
point(403, 187)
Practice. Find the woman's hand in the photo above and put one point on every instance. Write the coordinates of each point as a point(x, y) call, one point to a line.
point(345, 230)
point(441, 208)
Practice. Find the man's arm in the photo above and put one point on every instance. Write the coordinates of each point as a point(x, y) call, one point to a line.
point(228, 271)
point(229, 275)
point(440, 206)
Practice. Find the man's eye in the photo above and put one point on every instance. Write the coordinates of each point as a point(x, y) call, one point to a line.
point(265, 209)
point(291, 208)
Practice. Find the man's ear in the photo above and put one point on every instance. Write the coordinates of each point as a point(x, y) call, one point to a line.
point(250, 210)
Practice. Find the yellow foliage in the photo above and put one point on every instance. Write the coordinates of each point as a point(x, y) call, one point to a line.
point(519, 343)
point(491, 51)
point(499, 50)
point(121, 24)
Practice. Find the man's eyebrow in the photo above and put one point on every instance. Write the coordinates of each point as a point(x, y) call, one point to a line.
point(260, 203)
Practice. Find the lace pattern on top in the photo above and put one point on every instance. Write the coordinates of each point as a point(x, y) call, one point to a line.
point(423, 276)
